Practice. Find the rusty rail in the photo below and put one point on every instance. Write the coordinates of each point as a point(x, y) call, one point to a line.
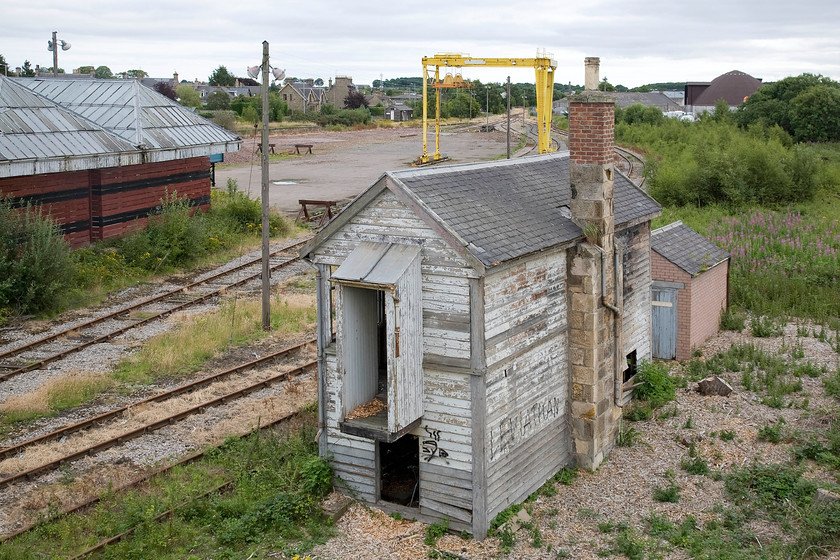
point(181, 389)
point(153, 426)
point(162, 470)
point(106, 337)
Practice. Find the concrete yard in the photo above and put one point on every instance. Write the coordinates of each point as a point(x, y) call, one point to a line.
point(343, 164)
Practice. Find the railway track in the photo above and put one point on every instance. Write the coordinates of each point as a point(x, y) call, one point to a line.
point(10, 369)
point(140, 480)
point(150, 427)
point(629, 163)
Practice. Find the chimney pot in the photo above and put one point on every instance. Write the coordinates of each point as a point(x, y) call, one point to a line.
point(593, 78)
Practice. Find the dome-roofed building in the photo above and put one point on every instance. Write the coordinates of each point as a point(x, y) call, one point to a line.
point(733, 87)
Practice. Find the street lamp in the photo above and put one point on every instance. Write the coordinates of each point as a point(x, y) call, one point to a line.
point(253, 72)
point(53, 46)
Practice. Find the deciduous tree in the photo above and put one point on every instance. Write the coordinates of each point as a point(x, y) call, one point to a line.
point(188, 97)
point(103, 72)
point(218, 100)
point(354, 100)
point(165, 89)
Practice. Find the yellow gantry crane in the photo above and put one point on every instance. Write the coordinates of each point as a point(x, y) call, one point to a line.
point(544, 67)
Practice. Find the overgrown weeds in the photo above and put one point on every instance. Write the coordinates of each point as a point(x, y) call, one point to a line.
point(274, 504)
point(202, 337)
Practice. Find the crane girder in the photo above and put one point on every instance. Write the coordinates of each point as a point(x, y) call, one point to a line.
point(543, 67)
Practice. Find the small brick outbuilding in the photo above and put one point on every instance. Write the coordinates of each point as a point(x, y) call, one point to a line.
point(690, 289)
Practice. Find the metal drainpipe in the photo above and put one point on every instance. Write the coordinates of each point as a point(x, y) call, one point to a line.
point(617, 381)
point(322, 312)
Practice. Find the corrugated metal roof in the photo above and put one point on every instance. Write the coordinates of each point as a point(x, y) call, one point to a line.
point(137, 114)
point(686, 248)
point(377, 263)
point(50, 126)
point(35, 130)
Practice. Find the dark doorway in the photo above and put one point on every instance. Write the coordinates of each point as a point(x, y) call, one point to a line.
point(399, 467)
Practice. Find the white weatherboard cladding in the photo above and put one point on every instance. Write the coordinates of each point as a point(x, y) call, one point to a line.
point(636, 322)
point(445, 438)
point(526, 435)
point(445, 431)
point(353, 458)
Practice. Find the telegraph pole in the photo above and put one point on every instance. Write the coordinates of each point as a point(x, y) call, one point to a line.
point(266, 279)
point(508, 117)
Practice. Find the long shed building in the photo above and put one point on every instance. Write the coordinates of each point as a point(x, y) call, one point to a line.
point(476, 322)
point(100, 155)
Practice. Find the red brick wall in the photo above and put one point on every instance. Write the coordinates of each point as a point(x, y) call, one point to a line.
point(666, 271)
point(591, 132)
point(103, 213)
point(140, 200)
point(708, 299)
point(74, 210)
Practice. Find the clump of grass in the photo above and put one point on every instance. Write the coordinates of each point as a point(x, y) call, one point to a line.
point(667, 494)
point(656, 387)
point(765, 327)
point(200, 338)
point(695, 464)
point(54, 396)
point(773, 433)
point(628, 436)
point(731, 320)
point(727, 435)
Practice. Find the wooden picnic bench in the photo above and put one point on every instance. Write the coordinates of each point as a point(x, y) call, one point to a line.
point(304, 146)
point(322, 214)
point(270, 148)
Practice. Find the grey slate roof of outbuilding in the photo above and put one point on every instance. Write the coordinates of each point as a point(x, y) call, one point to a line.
point(39, 136)
point(138, 114)
point(686, 248)
point(510, 208)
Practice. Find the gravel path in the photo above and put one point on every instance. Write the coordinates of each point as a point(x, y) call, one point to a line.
point(621, 489)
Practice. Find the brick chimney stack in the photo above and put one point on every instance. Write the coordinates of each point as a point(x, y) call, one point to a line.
point(591, 144)
point(592, 277)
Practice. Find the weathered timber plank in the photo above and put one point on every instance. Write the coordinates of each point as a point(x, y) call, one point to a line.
point(438, 509)
point(455, 497)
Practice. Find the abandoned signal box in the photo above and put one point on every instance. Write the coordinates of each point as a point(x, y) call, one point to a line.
point(479, 324)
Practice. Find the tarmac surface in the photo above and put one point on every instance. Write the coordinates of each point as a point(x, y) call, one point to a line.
point(343, 164)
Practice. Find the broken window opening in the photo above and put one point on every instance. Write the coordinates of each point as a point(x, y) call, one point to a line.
point(630, 371)
point(399, 468)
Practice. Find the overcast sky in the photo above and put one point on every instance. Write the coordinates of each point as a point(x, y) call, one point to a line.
point(638, 41)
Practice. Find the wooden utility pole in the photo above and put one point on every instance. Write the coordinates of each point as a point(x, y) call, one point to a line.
point(266, 278)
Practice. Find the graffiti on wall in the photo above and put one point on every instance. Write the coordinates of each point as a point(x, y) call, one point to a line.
point(430, 446)
point(521, 424)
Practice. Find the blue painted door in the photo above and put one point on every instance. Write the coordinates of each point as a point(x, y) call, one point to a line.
point(664, 318)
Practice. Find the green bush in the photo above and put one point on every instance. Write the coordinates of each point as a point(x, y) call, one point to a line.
point(171, 239)
point(35, 263)
point(657, 386)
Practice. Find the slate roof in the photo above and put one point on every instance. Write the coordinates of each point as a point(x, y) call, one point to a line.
point(39, 136)
point(138, 114)
point(511, 208)
point(686, 248)
point(625, 99)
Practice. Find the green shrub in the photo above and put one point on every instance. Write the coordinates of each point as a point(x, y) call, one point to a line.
point(35, 264)
point(435, 531)
point(668, 494)
point(772, 432)
point(657, 386)
point(765, 327)
point(732, 321)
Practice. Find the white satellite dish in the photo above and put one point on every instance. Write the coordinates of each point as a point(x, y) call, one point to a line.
point(65, 46)
point(254, 72)
point(278, 74)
